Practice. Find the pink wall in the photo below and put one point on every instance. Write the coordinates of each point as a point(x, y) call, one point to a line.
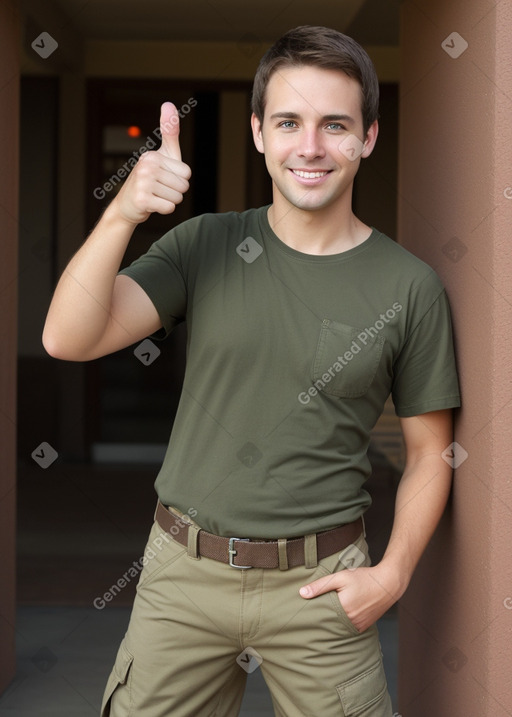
point(9, 103)
point(455, 212)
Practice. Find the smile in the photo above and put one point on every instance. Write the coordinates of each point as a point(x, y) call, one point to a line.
point(309, 175)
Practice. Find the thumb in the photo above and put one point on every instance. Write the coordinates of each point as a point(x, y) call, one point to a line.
point(320, 586)
point(170, 129)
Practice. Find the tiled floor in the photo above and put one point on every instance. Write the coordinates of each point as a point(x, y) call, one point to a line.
point(65, 656)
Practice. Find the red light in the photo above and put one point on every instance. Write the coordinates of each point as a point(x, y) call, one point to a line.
point(133, 131)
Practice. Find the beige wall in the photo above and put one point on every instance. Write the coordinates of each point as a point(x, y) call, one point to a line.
point(455, 212)
point(9, 101)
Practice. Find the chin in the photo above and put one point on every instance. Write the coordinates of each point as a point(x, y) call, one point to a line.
point(312, 205)
point(308, 202)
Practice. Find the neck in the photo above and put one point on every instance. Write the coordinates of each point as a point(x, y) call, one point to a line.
point(331, 230)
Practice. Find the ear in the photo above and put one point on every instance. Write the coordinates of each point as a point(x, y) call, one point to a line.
point(256, 133)
point(371, 139)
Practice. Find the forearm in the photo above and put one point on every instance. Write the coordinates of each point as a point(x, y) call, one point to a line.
point(421, 498)
point(366, 593)
point(80, 308)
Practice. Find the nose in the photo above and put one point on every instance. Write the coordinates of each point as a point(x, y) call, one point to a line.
point(311, 146)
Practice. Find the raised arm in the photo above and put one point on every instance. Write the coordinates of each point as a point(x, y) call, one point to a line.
point(94, 312)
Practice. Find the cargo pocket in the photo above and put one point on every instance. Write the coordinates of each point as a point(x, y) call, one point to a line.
point(346, 360)
point(119, 680)
point(366, 695)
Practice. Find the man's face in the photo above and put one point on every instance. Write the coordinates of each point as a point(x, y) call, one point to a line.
point(312, 136)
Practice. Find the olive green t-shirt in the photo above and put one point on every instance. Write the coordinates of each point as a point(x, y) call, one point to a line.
point(290, 359)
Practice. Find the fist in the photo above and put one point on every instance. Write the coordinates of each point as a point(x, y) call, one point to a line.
point(159, 180)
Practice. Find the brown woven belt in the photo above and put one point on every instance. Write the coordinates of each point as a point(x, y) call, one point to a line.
point(245, 553)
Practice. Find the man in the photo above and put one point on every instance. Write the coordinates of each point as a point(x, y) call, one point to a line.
point(301, 320)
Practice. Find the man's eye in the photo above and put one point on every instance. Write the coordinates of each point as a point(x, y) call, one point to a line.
point(335, 127)
point(287, 124)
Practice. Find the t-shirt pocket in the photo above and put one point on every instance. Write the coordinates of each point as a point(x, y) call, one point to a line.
point(346, 359)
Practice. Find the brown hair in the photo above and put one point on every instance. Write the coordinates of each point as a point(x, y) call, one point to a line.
point(320, 47)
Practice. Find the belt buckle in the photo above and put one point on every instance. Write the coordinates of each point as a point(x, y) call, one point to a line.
point(232, 552)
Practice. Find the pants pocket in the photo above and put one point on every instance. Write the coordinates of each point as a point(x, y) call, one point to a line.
point(335, 601)
point(367, 694)
point(353, 556)
point(119, 681)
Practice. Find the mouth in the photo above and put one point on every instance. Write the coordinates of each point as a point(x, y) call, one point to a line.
point(310, 175)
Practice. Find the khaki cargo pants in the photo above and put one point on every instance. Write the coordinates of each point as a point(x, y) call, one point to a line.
point(198, 627)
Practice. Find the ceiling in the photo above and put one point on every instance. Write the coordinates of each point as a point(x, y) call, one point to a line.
point(371, 22)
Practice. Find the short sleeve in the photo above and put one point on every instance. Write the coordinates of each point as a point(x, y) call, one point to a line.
point(160, 273)
point(425, 374)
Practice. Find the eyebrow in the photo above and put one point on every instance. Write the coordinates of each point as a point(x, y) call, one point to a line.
point(325, 118)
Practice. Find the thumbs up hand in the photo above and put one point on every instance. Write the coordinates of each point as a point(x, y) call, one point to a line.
point(159, 180)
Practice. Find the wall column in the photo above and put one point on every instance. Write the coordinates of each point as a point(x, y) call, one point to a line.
point(455, 212)
point(9, 122)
